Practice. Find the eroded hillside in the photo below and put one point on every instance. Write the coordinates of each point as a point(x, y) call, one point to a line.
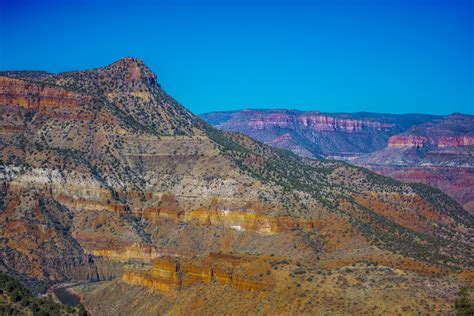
point(106, 177)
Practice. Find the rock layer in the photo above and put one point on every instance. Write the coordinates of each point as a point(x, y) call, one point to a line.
point(148, 194)
point(317, 122)
point(32, 96)
point(169, 276)
point(314, 134)
point(410, 141)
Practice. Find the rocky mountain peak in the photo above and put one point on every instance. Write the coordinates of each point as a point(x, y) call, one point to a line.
point(129, 59)
point(132, 87)
point(132, 69)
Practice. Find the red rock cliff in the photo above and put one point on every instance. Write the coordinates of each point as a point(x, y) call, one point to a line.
point(399, 141)
point(315, 122)
point(455, 141)
point(36, 96)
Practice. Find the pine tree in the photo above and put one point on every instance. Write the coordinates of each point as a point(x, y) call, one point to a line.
point(463, 306)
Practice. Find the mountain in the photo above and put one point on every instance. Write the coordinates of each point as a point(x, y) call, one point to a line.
point(315, 134)
point(439, 153)
point(429, 149)
point(113, 188)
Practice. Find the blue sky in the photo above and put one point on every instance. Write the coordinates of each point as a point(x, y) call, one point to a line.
point(334, 56)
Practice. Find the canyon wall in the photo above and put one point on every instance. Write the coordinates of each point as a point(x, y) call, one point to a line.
point(408, 141)
point(314, 134)
point(169, 275)
point(34, 96)
point(315, 122)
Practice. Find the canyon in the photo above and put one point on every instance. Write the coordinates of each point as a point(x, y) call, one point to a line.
point(438, 153)
point(435, 150)
point(315, 134)
point(110, 183)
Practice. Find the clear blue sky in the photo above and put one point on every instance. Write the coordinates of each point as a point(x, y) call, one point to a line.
point(383, 56)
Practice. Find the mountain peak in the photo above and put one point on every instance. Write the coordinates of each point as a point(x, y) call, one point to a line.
point(134, 69)
point(129, 60)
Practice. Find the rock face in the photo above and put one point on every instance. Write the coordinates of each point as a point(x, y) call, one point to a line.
point(407, 141)
point(455, 141)
point(169, 277)
point(316, 122)
point(14, 92)
point(455, 130)
point(106, 177)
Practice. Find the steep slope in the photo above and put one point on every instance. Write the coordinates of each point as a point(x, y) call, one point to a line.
point(433, 150)
point(438, 153)
point(316, 134)
point(106, 177)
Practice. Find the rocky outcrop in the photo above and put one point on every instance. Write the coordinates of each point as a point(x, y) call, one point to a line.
point(407, 141)
point(82, 194)
point(454, 130)
point(321, 123)
point(163, 285)
point(37, 96)
point(281, 139)
point(317, 122)
point(134, 70)
point(135, 251)
point(455, 141)
point(242, 220)
point(169, 276)
point(239, 220)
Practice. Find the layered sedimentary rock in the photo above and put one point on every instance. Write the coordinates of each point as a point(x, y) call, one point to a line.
point(314, 121)
point(408, 141)
point(33, 96)
point(169, 276)
point(455, 141)
point(147, 194)
point(315, 134)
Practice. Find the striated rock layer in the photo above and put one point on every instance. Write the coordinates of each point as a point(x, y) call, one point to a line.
point(169, 277)
point(409, 141)
point(316, 134)
point(32, 96)
point(107, 178)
